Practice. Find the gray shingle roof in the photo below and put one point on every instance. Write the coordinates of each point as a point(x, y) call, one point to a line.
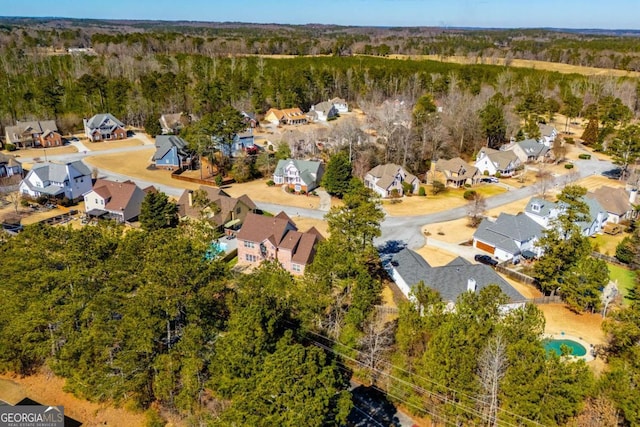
point(506, 230)
point(310, 171)
point(533, 148)
point(57, 172)
point(545, 207)
point(450, 280)
point(164, 143)
point(500, 158)
point(95, 121)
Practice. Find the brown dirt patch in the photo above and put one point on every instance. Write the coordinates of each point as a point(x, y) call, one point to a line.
point(109, 145)
point(49, 390)
point(436, 257)
point(594, 182)
point(40, 152)
point(527, 291)
point(560, 319)
point(455, 231)
point(305, 224)
point(512, 208)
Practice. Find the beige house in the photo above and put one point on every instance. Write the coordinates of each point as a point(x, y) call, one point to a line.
point(34, 133)
point(616, 201)
point(458, 172)
point(494, 162)
point(288, 116)
point(224, 211)
point(276, 239)
point(120, 201)
point(384, 179)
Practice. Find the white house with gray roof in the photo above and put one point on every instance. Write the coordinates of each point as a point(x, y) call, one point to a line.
point(408, 268)
point(71, 180)
point(545, 212)
point(299, 175)
point(383, 179)
point(528, 151)
point(322, 112)
point(509, 236)
point(104, 127)
point(494, 162)
point(548, 134)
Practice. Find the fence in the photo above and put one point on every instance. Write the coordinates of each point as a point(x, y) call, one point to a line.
point(608, 258)
point(547, 299)
point(58, 219)
point(516, 275)
point(210, 182)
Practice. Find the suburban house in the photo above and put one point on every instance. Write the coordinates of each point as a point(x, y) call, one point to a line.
point(9, 166)
point(508, 237)
point(383, 179)
point(171, 152)
point(119, 201)
point(250, 119)
point(544, 212)
point(288, 116)
point(34, 133)
point(71, 180)
point(340, 104)
point(322, 112)
point(616, 201)
point(276, 238)
point(243, 142)
point(173, 123)
point(299, 175)
point(104, 127)
point(229, 212)
point(494, 162)
point(548, 134)
point(408, 268)
point(457, 172)
point(528, 151)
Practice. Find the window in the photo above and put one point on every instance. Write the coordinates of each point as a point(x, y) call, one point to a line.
point(535, 207)
point(251, 258)
point(296, 267)
point(238, 209)
point(248, 244)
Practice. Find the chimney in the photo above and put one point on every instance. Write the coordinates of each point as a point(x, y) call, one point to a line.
point(190, 198)
point(633, 196)
point(471, 284)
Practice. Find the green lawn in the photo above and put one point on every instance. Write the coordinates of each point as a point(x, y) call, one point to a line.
point(626, 279)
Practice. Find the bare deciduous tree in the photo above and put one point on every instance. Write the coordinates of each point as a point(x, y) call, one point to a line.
point(492, 367)
point(376, 344)
point(476, 209)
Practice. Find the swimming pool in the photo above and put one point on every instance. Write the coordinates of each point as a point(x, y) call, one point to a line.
point(215, 248)
point(553, 345)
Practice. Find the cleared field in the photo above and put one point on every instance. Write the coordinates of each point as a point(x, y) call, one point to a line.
point(259, 191)
point(304, 224)
point(560, 319)
point(41, 152)
point(524, 63)
point(626, 279)
point(454, 231)
point(436, 257)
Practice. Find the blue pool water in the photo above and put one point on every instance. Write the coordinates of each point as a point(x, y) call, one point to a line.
point(215, 248)
point(554, 345)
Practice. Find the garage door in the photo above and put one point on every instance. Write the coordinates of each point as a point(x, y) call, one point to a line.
point(485, 247)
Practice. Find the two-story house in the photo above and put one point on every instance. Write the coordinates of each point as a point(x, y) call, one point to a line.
point(340, 105)
point(120, 201)
point(384, 179)
point(544, 213)
point(548, 134)
point(616, 201)
point(529, 150)
point(457, 172)
point(299, 175)
point(34, 133)
point(104, 127)
point(71, 180)
point(172, 152)
point(508, 236)
point(276, 238)
point(322, 112)
point(217, 207)
point(495, 162)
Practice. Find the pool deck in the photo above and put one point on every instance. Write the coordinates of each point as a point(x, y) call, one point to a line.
point(589, 347)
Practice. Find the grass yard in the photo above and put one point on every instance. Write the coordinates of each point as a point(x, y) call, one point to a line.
point(109, 145)
point(626, 279)
point(606, 244)
point(594, 182)
point(305, 224)
point(40, 152)
point(452, 198)
point(259, 191)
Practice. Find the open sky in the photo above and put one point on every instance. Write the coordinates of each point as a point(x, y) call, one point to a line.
point(609, 14)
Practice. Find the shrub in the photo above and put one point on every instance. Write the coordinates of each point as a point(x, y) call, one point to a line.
point(394, 194)
point(407, 188)
point(624, 250)
point(498, 174)
point(42, 200)
point(469, 194)
point(569, 141)
point(422, 192)
point(10, 147)
point(303, 192)
point(568, 166)
point(218, 180)
point(485, 173)
point(270, 183)
point(584, 156)
point(66, 202)
point(437, 187)
point(24, 203)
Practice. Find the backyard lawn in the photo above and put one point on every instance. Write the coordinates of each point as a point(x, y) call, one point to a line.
point(626, 279)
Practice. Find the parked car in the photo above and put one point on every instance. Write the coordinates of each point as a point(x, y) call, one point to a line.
point(490, 179)
point(74, 139)
point(486, 259)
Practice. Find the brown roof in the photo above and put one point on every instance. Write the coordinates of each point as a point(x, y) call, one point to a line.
point(458, 166)
point(9, 160)
point(226, 203)
point(501, 158)
point(117, 194)
point(290, 240)
point(613, 200)
point(258, 228)
point(387, 173)
point(288, 113)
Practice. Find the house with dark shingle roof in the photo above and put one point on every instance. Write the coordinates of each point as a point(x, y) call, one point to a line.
point(42, 133)
point(230, 212)
point(508, 236)
point(322, 112)
point(383, 179)
point(457, 172)
point(172, 152)
point(494, 162)
point(9, 166)
point(120, 201)
point(408, 268)
point(103, 127)
point(299, 175)
point(548, 134)
point(277, 239)
point(71, 180)
point(545, 212)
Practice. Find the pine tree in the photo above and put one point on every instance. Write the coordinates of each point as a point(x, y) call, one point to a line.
point(337, 178)
point(157, 212)
point(590, 134)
